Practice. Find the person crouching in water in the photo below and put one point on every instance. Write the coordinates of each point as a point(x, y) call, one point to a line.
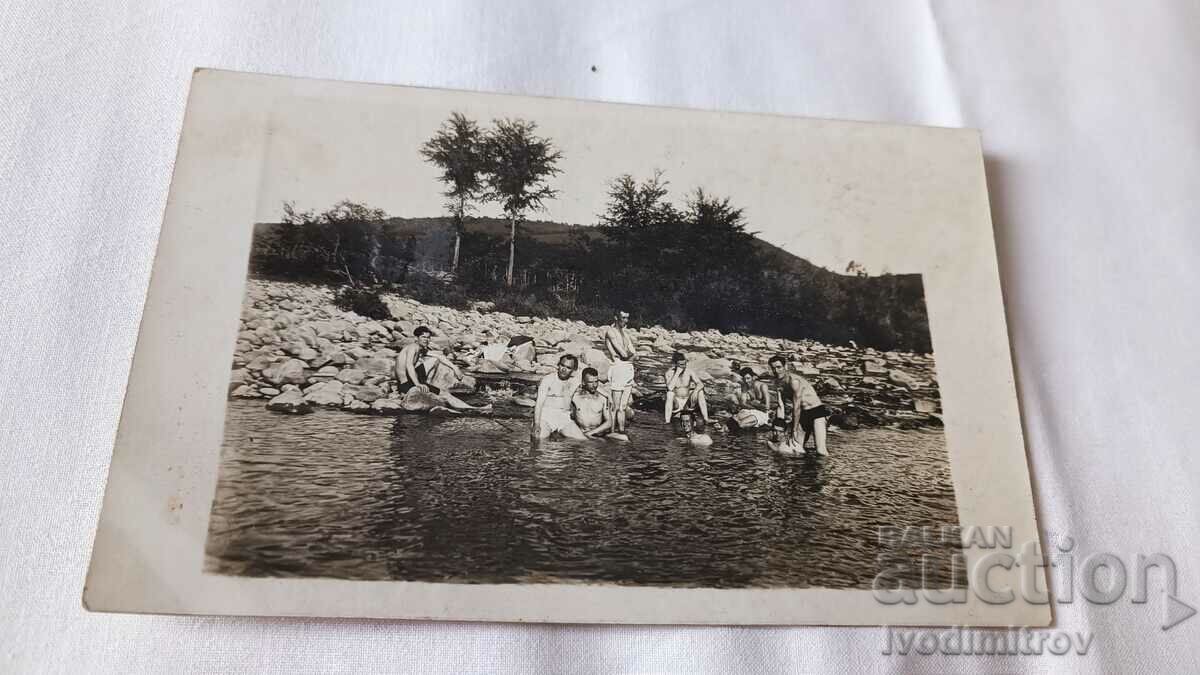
point(691, 427)
point(754, 402)
point(685, 390)
point(552, 410)
point(808, 414)
point(592, 410)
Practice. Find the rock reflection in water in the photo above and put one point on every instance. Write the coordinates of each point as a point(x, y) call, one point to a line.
point(469, 499)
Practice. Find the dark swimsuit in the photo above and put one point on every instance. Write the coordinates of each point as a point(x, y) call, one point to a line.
point(422, 378)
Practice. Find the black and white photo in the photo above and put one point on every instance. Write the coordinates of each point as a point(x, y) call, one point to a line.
point(494, 350)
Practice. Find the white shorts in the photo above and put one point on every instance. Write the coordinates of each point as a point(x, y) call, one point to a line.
point(557, 420)
point(620, 376)
point(750, 418)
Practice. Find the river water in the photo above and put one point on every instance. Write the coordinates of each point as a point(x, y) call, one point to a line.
point(470, 499)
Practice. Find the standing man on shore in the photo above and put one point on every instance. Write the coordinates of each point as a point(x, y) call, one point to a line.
point(808, 413)
point(620, 348)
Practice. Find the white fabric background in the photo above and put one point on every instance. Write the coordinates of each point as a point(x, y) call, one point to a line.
point(1091, 121)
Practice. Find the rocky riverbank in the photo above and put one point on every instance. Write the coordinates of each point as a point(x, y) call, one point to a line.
point(296, 350)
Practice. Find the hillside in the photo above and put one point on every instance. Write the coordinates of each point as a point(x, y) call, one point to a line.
point(434, 238)
point(561, 271)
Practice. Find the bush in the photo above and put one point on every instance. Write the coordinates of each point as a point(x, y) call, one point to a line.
point(362, 301)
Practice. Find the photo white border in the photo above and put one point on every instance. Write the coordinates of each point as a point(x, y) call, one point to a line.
point(148, 555)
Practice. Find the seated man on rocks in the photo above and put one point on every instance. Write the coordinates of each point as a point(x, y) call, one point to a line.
point(416, 365)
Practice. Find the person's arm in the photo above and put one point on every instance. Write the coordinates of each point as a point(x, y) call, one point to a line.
point(670, 398)
point(441, 358)
point(797, 409)
point(410, 370)
point(611, 337)
point(537, 408)
point(765, 394)
point(605, 424)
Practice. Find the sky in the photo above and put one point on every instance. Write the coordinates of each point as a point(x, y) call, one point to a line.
point(830, 192)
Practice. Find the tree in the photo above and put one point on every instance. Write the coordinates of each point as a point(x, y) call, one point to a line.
point(518, 165)
point(636, 207)
point(343, 241)
point(458, 150)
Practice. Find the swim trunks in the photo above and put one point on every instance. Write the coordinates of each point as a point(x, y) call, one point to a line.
point(557, 420)
point(807, 417)
point(620, 376)
point(422, 378)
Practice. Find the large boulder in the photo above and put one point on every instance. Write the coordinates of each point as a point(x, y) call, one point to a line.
point(903, 379)
point(375, 365)
point(287, 372)
point(576, 347)
point(294, 347)
point(487, 366)
point(466, 385)
point(324, 393)
point(245, 391)
point(259, 363)
point(361, 392)
point(708, 368)
point(351, 376)
point(419, 400)
point(874, 367)
point(599, 360)
point(290, 402)
point(923, 405)
point(388, 406)
point(554, 337)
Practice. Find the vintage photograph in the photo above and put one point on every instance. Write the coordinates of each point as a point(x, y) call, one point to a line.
point(480, 368)
point(430, 354)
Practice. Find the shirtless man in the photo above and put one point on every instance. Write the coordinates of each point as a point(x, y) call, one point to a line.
point(685, 390)
point(415, 364)
point(808, 413)
point(692, 428)
point(591, 409)
point(620, 348)
point(552, 411)
point(754, 401)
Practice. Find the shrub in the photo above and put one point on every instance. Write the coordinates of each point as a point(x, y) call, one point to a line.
point(362, 301)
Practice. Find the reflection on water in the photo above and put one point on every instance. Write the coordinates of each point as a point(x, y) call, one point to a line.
point(460, 499)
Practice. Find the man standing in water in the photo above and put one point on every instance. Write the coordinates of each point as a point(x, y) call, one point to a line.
point(592, 410)
point(621, 350)
point(552, 411)
point(808, 413)
point(416, 364)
